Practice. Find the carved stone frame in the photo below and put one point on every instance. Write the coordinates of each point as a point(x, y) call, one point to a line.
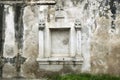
point(75, 56)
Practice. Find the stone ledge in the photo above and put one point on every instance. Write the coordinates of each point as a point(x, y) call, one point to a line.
point(46, 2)
point(58, 61)
point(60, 27)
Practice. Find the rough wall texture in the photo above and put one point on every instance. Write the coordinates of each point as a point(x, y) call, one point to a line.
point(100, 36)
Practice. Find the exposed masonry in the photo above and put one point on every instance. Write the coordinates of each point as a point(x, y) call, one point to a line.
point(87, 31)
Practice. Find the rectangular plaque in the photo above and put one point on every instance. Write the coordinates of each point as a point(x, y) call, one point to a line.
point(60, 42)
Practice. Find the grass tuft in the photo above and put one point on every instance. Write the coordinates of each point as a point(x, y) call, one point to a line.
point(82, 77)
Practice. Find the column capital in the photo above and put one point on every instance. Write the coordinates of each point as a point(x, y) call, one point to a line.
point(77, 24)
point(41, 25)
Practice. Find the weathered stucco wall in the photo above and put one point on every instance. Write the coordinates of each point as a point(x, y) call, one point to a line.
point(100, 36)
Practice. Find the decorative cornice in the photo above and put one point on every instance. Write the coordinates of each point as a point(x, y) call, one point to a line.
point(44, 2)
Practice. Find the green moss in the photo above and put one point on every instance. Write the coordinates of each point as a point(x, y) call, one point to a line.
point(82, 77)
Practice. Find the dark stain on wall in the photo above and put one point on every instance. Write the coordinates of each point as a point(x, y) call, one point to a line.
point(86, 6)
point(113, 6)
point(19, 25)
point(1, 29)
point(1, 35)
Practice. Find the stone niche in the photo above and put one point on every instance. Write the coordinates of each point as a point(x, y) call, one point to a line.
point(59, 45)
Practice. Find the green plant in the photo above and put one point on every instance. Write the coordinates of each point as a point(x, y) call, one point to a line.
point(83, 77)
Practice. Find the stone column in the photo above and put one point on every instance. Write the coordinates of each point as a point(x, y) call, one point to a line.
point(78, 31)
point(78, 37)
point(47, 42)
point(41, 39)
point(72, 42)
point(9, 44)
